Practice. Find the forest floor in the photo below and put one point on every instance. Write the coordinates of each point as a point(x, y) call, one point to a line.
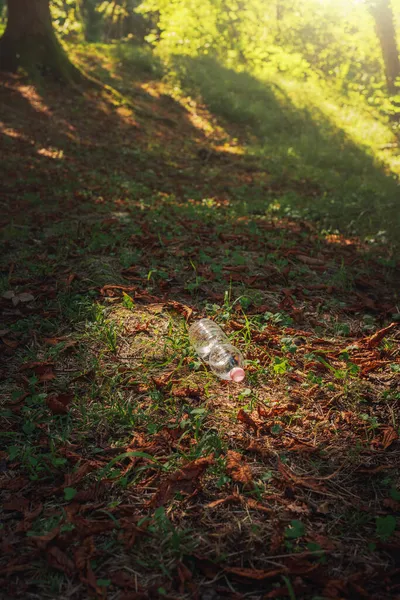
point(127, 470)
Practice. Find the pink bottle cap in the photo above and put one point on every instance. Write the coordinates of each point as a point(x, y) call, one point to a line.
point(237, 374)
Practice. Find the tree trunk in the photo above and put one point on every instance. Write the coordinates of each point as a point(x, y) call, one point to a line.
point(382, 13)
point(29, 42)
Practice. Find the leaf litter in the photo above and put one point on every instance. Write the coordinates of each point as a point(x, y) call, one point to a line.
point(177, 481)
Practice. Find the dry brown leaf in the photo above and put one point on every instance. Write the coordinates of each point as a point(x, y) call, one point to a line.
point(184, 575)
point(392, 504)
point(43, 370)
point(254, 574)
point(186, 392)
point(186, 311)
point(59, 403)
point(189, 473)
point(232, 499)
point(130, 531)
point(15, 568)
point(375, 339)
point(43, 540)
point(163, 379)
point(245, 418)
point(94, 492)
point(25, 297)
point(251, 503)
point(389, 436)
point(86, 528)
point(60, 561)
point(18, 504)
point(122, 579)
point(30, 515)
point(237, 469)
point(309, 260)
point(276, 410)
point(13, 484)
point(67, 342)
point(10, 343)
point(83, 553)
point(33, 365)
point(307, 482)
point(71, 479)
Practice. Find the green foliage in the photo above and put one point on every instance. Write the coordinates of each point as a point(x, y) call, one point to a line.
point(385, 527)
point(98, 20)
point(331, 39)
point(69, 493)
point(295, 530)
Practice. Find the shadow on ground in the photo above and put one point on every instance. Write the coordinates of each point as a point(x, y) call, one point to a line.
point(123, 221)
point(315, 168)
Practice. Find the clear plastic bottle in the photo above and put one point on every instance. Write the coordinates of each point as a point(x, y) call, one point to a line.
point(214, 347)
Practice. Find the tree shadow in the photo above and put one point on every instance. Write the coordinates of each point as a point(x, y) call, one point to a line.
point(332, 178)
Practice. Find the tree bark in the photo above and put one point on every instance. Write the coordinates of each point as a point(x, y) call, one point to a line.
point(382, 13)
point(29, 42)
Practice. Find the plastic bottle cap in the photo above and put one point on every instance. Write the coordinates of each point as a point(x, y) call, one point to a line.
point(237, 374)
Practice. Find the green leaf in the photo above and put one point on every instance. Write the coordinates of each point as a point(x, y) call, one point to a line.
point(13, 452)
point(198, 411)
point(69, 493)
point(28, 427)
point(395, 494)
point(276, 429)
point(103, 582)
point(295, 530)
point(385, 527)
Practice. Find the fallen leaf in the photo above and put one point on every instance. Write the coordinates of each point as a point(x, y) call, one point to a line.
point(66, 342)
point(15, 568)
point(86, 528)
point(18, 504)
point(392, 504)
point(60, 561)
point(163, 379)
point(131, 272)
point(59, 403)
point(232, 499)
point(245, 418)
point(94, 492)
point(307, 482)
point(375, 339)
point(10, 343)
point(13, 484)
point(186, 392)
point(122, 579)
point(8, 295)
point(251, 503)
point(238, 499)
point(309, 260)
point(276, 410)
point(186, 311)
point(130, 531)
point(35, 364)
point(83, 553)
point(25, 297)
point(43, 370)
point(71, 479)
point(42, 541)
point(254, 574)
point(184, 575)
point(237, 469)
point(189, 473)
point(389, 436)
